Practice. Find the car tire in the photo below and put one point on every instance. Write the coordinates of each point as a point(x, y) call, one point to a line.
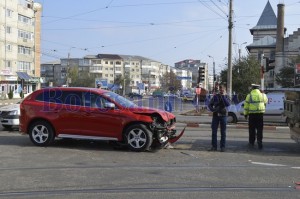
point(9, 127)
point(41, 133)
point(231, 118)
point(138, 138)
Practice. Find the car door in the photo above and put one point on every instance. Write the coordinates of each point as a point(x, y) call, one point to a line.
point(70, 119)
point(99, 119)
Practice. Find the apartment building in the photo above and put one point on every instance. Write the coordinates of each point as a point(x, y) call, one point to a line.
point(143, 74)
point(20, 27)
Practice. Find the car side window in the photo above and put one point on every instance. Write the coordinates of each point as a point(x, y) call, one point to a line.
point(72, 98)
point(50, 96)
point(94, 101)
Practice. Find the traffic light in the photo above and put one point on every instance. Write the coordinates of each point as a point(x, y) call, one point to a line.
point(268, 64)
point(201, 74)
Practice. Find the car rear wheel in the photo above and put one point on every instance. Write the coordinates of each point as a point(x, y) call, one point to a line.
point(41, 133)
point(138, 138)
point(231, 118)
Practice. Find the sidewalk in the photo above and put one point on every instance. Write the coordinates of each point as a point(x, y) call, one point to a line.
point(4, 102)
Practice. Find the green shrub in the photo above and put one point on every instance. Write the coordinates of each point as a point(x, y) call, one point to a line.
point(10, 94)
point(21, 94)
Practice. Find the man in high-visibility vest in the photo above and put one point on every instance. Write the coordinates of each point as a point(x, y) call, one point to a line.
point(254, 107)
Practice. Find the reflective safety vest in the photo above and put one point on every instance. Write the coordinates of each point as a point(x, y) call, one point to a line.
point(255, 102)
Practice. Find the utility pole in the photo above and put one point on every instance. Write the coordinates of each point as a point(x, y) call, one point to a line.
point(229, 71)
point(214, 72)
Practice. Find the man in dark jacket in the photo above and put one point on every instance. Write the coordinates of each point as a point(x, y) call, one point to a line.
point(217, 105)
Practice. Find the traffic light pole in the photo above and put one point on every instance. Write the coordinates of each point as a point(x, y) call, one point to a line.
point(262, 79)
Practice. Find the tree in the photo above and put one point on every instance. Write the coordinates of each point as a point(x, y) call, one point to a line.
point(286, 75)
point(81, 79)
point(169, 81)
point(245, 72)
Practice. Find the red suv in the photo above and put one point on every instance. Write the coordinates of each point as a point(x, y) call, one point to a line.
point(94, 114)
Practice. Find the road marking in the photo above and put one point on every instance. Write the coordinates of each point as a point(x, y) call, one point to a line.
point(295, 167)
point(269, 164)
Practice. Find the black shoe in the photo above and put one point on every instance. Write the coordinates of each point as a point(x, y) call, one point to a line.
point(260, 146)
point(250, 146)
point(213, 149)
point(222, 149)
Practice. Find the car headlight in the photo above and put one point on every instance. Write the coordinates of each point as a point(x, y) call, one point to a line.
point(15, 112)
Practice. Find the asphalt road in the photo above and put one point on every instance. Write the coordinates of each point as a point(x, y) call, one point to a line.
point(78, 169)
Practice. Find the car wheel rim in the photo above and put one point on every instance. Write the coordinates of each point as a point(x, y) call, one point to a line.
point(40, 134)
point(137, 138)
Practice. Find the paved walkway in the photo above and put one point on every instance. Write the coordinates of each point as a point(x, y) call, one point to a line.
point(4, 102)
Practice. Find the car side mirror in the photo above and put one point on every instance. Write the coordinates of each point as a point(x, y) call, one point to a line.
point(109, 105)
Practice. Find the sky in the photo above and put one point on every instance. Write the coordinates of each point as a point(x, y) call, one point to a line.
point(167, 31)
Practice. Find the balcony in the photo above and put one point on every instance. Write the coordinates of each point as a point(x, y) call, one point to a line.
point(96, 69)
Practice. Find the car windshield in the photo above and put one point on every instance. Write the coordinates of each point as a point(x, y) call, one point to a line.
point(120, 100)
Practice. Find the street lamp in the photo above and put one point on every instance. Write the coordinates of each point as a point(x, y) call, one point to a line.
point(239, 49)
point(214, 71)
point(68, 66)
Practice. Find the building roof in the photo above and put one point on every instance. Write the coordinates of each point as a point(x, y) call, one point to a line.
point(56, 62)
point(108, 56)
point(267, 41)
point(267, 20)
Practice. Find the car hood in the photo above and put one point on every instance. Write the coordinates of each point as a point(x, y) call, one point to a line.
point(145, 110)
point(10, 107)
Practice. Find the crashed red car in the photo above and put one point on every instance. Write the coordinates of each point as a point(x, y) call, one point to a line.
point(94, 114)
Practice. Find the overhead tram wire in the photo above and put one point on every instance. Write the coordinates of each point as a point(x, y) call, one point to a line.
point(211, 9)
point(120, 6)
point(219, 8)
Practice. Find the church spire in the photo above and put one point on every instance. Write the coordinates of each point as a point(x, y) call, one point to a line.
point(267, 17)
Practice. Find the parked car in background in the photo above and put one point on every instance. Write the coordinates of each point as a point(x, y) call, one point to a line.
point(188, 97)
point(94, 114)
point(9, 115)
point(157, 93)
point(274, 109)
point(134, 95)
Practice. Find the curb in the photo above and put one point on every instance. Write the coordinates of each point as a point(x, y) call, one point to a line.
point(238, 126)
point(6, 103)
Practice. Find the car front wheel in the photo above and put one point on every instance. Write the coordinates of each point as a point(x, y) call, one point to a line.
point(41, 133)
point(231, 118)
point(138, 138)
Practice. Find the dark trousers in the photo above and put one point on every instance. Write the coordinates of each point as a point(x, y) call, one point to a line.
point(256, 125)
point(216, 120)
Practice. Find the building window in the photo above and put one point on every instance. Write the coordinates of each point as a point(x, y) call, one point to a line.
point(24, 19)
point(24, 50)
point(106, 62)
point(24, 66)
point(118, 63)
point(118, 68)
point(106, 75)
point(7, 63)
point(9, 47)
point(8, 29)
point(24, 34)
point(111, 62)
point(111, 75)
point(9, 13)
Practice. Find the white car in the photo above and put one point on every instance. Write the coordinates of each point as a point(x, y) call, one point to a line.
point(273, 113)
point(9, 115)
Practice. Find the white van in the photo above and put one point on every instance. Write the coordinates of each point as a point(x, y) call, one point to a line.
point(274, 109)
